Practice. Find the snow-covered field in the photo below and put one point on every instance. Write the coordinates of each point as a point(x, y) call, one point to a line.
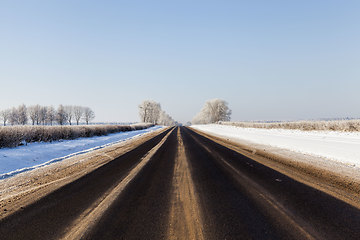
point(341, 147)
point(34, 155)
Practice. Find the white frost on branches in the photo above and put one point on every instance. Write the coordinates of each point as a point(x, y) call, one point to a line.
point(88, 115)
point(45, 115)
point(5, 115)
point(150, 112)
point(213, 111)
point(165, 119)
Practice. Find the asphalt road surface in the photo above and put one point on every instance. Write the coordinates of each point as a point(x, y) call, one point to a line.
point(182, 185)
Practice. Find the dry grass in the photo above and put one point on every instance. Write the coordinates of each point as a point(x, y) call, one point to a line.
point(338, 125)
point(13, 136)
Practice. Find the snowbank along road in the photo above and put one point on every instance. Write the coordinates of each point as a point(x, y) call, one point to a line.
point(334, 145)
point(184, 185)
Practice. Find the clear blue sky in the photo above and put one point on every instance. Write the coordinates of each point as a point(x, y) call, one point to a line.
point(271, 60)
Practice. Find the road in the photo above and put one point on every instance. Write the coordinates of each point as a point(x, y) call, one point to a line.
point(183, 185)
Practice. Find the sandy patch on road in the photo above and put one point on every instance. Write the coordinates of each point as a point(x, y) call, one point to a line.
point(28, 187)
point(185, 220)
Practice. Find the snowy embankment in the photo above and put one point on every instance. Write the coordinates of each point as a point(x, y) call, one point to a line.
point(337, 146)
point(35, 155)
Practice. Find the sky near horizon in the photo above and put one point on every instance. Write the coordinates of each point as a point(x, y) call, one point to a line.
point(270, 60)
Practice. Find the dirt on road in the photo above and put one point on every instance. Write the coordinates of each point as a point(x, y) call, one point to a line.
point(185, 217)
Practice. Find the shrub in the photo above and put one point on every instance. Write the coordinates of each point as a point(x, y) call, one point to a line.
point(338, 125)
point(13, 136)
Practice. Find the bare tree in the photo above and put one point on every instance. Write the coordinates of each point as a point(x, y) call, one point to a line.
point(78, 113)
point(214, 110)
point(165, 119)
point(22, 114)
point(50, 115)
point(5, 115)
point(149, 111)
point(46, 115)
point(13, 116)
point(34, 114)
point(43, 115)
point(144, 108)
point(155, 113)
point(88, 115)
point(61, 115)
point(69, 110)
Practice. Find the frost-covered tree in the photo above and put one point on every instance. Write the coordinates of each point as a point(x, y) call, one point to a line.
point(18, 115)
point(69, 110)
point(144, 110)
point(61, 115)
point(50, 115)
point(78, 113)
point(155, 113)
point(149, 111)
point(43, 115)
point(38, 114)
point(34, 114)
point(214, 110)
point(13, 116)
point(88, 114)
point(22, 114)
point(5, 115)
point(165, 119)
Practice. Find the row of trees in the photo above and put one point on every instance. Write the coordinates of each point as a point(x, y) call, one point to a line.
point(213, 111)
point(46, 115)
point(151, 112)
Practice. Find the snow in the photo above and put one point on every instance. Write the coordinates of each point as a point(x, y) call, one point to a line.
point(336, 146)
point(35, 155)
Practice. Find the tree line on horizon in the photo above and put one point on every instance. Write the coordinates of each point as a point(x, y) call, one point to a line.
point(46, 115)
point(214, 110)
point(151, 112)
